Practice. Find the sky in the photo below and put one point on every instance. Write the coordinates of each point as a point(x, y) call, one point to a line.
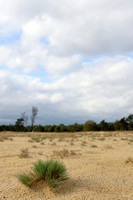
point(72, 59)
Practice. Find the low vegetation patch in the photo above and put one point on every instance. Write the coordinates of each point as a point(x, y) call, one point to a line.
point(36, 139)
point(52, 171)
point(54, 143)
point(101, 139)
point(129, 161)
point(34, 146)
point(71, 143)
point(94, 146)
point(63, 153)
point(107, 146)
point(24, 153)
point(83, 143)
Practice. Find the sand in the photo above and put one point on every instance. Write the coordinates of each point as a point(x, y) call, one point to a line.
point(97, 164)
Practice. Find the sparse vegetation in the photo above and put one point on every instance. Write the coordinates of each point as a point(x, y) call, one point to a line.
point(94, 146)
point(53, 172)
point(124, 139)
point(81, 160)
point(60, 140)
point(51, 140)
point(54, 143)
point(131, 140)
point(71, 143)
point(24, 153)
point(129, 160)
point(26, 179)
point(42, 143)
point(83, 144)
point(31, 141)
point(107, 146)
point(83, 198)
point(114, 140)
point(63, 153)
point(34, 146)
point(40, 153)
point(102, 139)
point(36, 139)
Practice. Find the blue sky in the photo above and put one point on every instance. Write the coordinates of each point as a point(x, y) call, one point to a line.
point(10, 39)
point(73, 60)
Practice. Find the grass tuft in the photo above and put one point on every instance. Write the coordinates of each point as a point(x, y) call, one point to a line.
point(53, 172)
point(26, 179)
point(40, 169)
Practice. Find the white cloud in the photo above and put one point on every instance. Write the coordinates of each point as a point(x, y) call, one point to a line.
point(99, 91)
point(61, 65)
point(24, 57)
point(59, 37)
point(83, 27)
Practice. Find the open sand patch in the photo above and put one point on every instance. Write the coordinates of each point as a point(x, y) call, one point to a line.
point(95, 173)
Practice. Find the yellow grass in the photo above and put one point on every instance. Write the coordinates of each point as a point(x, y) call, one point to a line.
point(100, 173)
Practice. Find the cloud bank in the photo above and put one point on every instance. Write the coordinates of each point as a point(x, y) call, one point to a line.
point(71, 59)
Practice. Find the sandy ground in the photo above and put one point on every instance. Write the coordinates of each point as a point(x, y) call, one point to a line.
point(95, 161)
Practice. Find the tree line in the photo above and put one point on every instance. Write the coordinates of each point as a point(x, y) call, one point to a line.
point(21, 124)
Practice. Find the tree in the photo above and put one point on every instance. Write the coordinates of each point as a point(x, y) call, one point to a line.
point(103, 125)
point(110, 126)
point(61, 128)
point(19, 124)
point(123, 124)
point(25, 118)
point(116, 125)
point(90, 126)
point(33, 115)
point(129, 120)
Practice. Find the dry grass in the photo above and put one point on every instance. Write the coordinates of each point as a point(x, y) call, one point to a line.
point(94, 146)
point(102, 138)
point(24, 153)
point(34, 146)
point(108, 146)
point(129, 161)
point(63, 153)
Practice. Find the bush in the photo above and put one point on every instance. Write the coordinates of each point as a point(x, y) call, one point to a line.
point(53, 172)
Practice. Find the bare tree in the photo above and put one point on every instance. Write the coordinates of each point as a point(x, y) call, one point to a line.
point(25, 118)
point(34, 114)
